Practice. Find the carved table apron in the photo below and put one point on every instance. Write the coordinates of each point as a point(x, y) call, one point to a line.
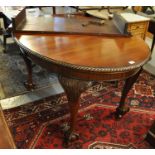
point(78, 59)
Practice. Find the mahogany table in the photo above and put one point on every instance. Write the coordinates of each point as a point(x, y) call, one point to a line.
point(78, 55)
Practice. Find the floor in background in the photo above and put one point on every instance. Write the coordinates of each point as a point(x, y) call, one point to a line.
point(13, 73)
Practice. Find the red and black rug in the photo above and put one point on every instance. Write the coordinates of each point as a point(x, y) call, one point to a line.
point(41, 124)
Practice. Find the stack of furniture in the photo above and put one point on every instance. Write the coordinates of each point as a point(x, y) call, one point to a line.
point(149, 12)
point(151, 27)
point(6, 31)
point(131, 23)
point(6, 14)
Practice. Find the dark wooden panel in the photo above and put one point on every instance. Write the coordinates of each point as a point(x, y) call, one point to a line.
point(6, 141)
point(76, 24)
point(19, 19)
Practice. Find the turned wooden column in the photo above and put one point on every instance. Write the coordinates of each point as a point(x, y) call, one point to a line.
point(122, 109)
point(29, 83)
point(73, 89)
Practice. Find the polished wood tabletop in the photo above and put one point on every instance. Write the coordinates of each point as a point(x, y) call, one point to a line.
point(109, 52)
point(88, 53)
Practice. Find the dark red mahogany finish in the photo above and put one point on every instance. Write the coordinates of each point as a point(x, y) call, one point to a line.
point(79, 54)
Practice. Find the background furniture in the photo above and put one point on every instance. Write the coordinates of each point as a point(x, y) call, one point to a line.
point(126, 22)
point(99, 8)
point(131, 23)
point(151, 29)
point(6, 140)
point(40, 7)
point(149, 12)
point(7, 14)
point(6, 31)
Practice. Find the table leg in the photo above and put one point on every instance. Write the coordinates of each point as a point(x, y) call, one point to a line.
point(122, 109)
point(153, 42)
point(54, 10)
point(29, 84)
point(73, 89)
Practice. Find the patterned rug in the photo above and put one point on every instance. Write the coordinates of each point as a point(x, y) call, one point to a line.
point(13, 73)
point(41, 124)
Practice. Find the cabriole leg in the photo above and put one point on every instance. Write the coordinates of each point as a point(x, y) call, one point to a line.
point(122, 109)
point(73, 89)
point(29, 83)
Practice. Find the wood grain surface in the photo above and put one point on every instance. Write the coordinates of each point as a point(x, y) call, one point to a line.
point(74, 24)
point(92, 51)
point(6, 140)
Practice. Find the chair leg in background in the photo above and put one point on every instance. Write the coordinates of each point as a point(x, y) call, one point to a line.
point(4, 44)
point(153, 42)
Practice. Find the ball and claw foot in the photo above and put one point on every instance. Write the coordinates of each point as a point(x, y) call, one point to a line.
point(69, 137)
point(29, 86)
point(120, 112)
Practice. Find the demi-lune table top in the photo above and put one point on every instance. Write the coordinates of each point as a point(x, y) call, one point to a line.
point(87, 53)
